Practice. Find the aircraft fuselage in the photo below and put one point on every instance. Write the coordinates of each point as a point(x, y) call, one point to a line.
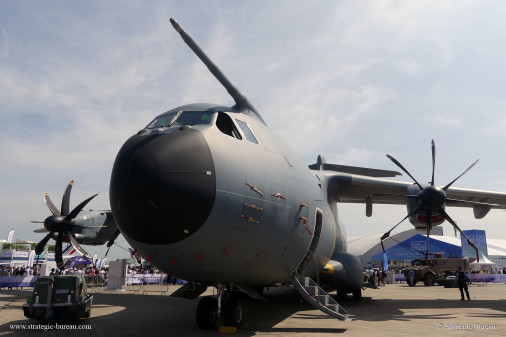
point(220, 201)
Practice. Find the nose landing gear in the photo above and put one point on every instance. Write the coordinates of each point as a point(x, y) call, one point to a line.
point(207, 313)
point(227, 305)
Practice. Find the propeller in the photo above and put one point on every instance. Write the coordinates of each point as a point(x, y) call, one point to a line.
point(62, 224)
point(432, 200)
point(111, 241)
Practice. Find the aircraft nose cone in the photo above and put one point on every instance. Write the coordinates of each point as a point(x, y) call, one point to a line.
point(163, 186)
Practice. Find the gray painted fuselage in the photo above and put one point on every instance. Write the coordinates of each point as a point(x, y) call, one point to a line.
point(256, 233)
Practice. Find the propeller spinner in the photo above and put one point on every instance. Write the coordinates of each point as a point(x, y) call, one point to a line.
point(432, 201)
point(62, 224)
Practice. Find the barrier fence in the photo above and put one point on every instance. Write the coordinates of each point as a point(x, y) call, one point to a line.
point(17, 281)
point(143, 283)
point(138, 283)
point(147, 283)
point(473, 278)
point(95, 282)
point(487, 278)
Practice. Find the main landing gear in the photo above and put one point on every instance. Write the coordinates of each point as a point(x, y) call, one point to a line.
point(227, 305)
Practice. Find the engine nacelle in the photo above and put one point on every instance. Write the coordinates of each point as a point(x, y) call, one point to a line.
point(343, 273)
point(419, 219)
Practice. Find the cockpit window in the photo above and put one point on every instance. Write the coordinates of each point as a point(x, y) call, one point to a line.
point(225, 125)
point(161, 121)
point(194, 118)
point(181, 118)
point(247, 131)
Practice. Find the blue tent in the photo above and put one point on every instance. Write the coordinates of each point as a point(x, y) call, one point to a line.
point(78, 260)
point(415, 247)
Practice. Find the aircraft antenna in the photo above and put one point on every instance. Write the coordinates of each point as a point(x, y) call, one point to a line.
point(241, 101)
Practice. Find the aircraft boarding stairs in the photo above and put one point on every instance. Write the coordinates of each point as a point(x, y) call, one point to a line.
point(318, 298)
point(308, 288)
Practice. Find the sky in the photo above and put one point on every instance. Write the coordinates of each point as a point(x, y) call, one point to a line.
point(352, 80)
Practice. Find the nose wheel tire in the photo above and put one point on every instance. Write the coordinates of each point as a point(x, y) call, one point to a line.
point(207, 313)
point(233, 312)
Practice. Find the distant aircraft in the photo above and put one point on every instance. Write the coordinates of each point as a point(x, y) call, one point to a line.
point(209, 194)
point(90, 228)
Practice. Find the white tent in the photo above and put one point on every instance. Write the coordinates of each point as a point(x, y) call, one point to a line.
point(484, 263)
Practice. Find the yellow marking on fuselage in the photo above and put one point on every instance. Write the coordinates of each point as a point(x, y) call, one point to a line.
point(330, 269)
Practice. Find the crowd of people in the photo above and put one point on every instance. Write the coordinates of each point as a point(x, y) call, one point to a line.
point(87, 270)
point(492, 270)
point(18, 271)
point(375, 276)
point(92, 274)
point(132, 270)
point(91, 271)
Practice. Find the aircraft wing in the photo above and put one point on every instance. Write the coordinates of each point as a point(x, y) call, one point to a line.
point(350, 188)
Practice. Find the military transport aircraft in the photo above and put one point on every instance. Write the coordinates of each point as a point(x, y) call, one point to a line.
point(209, 194)
point(90, 228)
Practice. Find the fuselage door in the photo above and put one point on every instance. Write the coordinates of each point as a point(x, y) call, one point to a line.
point(314, 242)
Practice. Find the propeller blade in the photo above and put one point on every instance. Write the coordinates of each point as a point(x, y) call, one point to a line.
point(429, 221)
point(33, 221)
point(65, 201)
point(450, 220)
point(41, 230)
point(387, 234)
point(107, 251)
point(40, 246)
point(402, 168)
point(58, 256)
point(79, 208)
point(470, 167)
point(77, 246)
point(113, 238)
point(50, 204)
point(111, 241)
point(433, 161)
point(383, 247)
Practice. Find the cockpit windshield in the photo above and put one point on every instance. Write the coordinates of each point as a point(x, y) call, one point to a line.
point(161, 121)
point(181, 118)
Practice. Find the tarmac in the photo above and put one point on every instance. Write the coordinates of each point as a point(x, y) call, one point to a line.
point(392, 310)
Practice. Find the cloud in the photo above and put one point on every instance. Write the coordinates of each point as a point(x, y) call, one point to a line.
point(449, 121)
point(351, 80)
point(4, 43)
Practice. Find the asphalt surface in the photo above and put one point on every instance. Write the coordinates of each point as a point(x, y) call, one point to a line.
point(393, 310)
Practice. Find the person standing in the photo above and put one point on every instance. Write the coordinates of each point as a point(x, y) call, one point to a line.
point(371, 277)
point(411, 274)
point(462, 281)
